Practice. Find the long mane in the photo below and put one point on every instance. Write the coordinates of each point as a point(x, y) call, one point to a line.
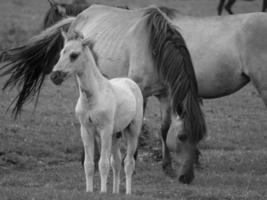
point(29, 64)
point(174, 65)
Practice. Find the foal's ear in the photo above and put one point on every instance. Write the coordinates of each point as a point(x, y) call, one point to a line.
point(64, 34)
point(88, 42)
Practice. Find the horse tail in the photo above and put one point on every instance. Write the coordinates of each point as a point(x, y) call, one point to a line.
point(28, 64)
point(174, 66)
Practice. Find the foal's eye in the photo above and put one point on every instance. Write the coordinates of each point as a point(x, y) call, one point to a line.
point(74, 56)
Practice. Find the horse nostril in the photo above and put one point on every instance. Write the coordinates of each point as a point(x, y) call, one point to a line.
point(182, 137)
point(54, 76)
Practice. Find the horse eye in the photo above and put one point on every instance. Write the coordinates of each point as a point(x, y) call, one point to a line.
point(182, 137)
point(74, 56)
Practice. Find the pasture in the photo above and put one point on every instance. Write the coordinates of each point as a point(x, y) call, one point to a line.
point(40, 152)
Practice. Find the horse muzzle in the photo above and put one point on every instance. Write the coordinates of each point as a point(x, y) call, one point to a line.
point(57, 77)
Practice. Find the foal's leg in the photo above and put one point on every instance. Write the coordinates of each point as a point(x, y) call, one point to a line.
point(132, 134)
point(165, 125)
point(89, 166)
point(116, 163)
point(103, 165)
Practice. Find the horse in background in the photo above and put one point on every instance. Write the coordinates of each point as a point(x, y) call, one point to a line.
point(230, 3)
point(104, 108)
point(58, 11)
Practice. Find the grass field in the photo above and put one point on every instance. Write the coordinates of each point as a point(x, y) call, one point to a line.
point(40, 152)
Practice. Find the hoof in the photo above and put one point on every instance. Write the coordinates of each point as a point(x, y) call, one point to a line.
point(228, 9)
point(186, 179)
point(169, 171)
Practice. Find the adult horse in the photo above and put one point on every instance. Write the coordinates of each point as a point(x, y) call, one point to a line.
point(141, 44)
point(58, 11)
point(230, 3)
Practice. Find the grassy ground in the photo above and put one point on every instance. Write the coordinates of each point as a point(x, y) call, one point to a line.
point(39, 153)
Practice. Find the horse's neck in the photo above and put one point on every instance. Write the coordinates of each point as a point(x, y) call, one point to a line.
point(91, 81)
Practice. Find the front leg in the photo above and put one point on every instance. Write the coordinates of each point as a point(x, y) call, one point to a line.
point(89, 165)
point(165, 125)
point(104, 165)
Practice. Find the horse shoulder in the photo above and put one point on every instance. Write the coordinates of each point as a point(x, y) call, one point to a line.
point(141, 66)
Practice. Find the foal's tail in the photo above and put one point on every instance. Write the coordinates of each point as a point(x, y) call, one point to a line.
point(28, 64)
point(174, 65)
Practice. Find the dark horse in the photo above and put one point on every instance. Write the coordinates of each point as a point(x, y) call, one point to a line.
point(58, 11)
point(230, 3)
point(142, 44)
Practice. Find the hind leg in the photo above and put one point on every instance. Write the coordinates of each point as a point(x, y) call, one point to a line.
point(220, 7)
point(229, 5)
point(132, 133)
point(264, 5)
point(129, 162)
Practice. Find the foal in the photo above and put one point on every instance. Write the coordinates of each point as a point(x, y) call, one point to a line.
point(104, 108)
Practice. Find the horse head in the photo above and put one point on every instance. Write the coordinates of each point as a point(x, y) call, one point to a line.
point(72, 58)
point(55, 13)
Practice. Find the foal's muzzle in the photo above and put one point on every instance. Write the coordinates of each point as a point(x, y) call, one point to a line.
point(57, 77)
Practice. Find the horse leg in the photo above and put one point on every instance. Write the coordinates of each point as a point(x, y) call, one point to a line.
point(129, 162)
point(116, 163)
point(103, 165)
point(264, 5)
point(132, 133)
point(220, 7)
point(88, 142)
point(96, 155)
point(165, 125)
point(229, 5)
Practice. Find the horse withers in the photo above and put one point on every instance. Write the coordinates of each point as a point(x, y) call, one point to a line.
point(104, 108)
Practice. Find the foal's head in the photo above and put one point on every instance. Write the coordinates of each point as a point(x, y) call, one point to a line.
point(73, 57)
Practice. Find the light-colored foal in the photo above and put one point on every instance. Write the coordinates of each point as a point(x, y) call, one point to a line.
point(104, 108)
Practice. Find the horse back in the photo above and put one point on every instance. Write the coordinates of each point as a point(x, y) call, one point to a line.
point(108, 28)
point(216, 47)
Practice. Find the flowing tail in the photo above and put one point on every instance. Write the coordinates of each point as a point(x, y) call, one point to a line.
point(174, 65)
point(28, 65)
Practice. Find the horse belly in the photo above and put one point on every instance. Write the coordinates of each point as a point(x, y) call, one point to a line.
point(216, 58)
point(126, 104)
